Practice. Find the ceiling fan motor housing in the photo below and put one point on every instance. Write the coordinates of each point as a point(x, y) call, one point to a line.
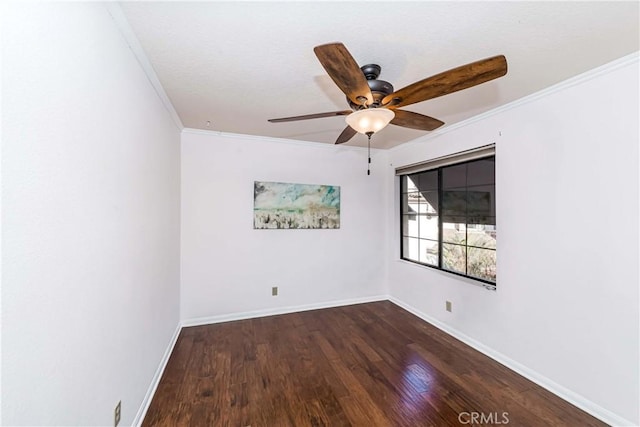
point(379, 88)
point(371, 71)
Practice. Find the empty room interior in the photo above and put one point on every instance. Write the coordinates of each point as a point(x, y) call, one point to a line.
point(320, 213)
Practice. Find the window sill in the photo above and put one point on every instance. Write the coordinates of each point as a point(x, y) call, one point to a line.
point(465, 279)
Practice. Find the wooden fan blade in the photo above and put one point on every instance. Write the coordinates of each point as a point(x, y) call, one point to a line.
point(450, 81)
point(346, 135)
point(343, 69)
point(409, 119)
point(311, 116)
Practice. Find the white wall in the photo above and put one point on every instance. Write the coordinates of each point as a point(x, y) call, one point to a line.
point(229, 268)
point(566, 307)
point(90, 164)
point(91, 229)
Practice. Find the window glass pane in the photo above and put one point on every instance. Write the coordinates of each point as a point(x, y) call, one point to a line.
point(481, 202)
point(481, 172)
point(430, 199)
point(410, 183)
point(410, 225)
point(482, 263)
point(481, 235)
point(410, 248)
point(410, 202)
point(454, 232)
point(429, 252)
point(488, 222)
point(428, 202)
point(454, 257)
point(454, 176)
point(428, 227)
point(454, 204)
point(427, 180)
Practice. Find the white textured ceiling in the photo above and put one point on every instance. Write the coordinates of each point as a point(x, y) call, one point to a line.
point(237, 64)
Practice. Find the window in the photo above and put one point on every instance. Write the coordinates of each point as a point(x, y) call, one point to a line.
point(448, 218)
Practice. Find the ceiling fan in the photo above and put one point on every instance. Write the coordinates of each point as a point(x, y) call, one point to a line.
point(374, 103)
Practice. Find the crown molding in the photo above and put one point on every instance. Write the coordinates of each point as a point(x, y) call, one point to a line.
point(565, 84)
point(257, 138)
point(134, 44)
point(132, 41)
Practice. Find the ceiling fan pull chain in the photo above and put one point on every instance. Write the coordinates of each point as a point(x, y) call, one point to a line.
point(369, 152)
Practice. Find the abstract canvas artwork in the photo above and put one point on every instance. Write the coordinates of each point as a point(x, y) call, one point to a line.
point(278, 205)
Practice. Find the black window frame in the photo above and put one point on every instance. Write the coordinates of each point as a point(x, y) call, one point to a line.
point(403, 185)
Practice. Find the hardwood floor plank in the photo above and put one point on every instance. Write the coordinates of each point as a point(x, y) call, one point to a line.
point(367, 365)
point(326, 354)
point(553, 410)
point(430, 337)
point(357, 389)
point(357, 414)
point(494, 397)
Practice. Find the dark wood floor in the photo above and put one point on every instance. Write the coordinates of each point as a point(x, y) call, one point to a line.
point(361, 365)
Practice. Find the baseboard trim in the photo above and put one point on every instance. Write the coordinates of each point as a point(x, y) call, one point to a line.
point(279, 310)
point(562, 392)
point(142, 411)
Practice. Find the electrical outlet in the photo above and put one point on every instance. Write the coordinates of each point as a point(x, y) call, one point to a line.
point(116, 414)
point(274, 291)
point(448, 305)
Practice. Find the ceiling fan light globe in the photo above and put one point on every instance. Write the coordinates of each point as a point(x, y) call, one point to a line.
point(370, 120)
